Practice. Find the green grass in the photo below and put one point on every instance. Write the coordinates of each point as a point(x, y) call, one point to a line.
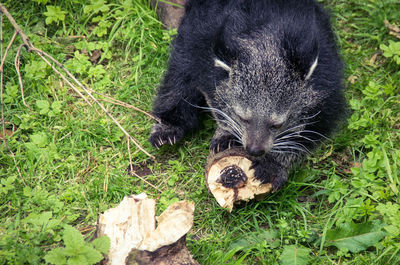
point(73, 159)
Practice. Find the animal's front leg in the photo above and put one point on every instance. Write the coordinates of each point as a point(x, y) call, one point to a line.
point(222, 140)
point(161, 134)
point(273, 169)
point(175, 107)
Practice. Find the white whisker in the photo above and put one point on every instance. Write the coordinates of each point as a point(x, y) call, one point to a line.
point(312, 116)
point(291, 129)
point(295, 135)
point(286, 148)
point(293, 145)
point(284, 152)
point(232, 126)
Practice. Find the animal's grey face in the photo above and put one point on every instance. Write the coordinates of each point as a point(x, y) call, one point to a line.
point(261, 99)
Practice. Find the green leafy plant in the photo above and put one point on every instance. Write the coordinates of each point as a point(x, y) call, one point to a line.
point(295, 255)
point(392, 50)
point(76, 250)
point(54, 14)
point(391, 214)
point(96, 6)
point(46, 109)
point(263, 239)
point(11, 93)
point(7, 184)
point(41, 1)
point(355, 237)
point(79, 64)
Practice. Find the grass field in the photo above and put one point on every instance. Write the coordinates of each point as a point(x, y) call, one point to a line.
point(340, 207)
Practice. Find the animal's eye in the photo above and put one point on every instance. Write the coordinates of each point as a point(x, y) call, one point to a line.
point(243, 119)
point(277, 125)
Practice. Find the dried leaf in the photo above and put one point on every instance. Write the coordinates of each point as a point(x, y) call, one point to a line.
point(352, 79)
point(393, 29)
point(8, 132)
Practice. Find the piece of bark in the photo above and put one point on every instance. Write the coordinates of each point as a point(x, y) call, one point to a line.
point(175, 254)
point(170, 15)
point(131, 227)
point(230, 179)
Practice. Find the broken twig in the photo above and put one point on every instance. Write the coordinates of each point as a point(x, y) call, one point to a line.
point(47, 58)
point(2, 57)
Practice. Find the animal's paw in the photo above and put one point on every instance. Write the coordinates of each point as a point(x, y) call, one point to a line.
point(268, 172)
point(222, 142)
point(162, 134)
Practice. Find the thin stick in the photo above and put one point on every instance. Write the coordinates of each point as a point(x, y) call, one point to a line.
point(42, 54)
point(148, 183)
point(1, 99)
point(30, 47)
point(123, 104)
point(25, 38)
point(62, 76)
point(5, 53)
point(105, 186)
point(133, 172)
point(17, 63)
point(130, 155)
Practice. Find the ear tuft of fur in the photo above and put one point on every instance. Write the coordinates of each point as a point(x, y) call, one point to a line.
point(312, 68)
point(221, 64)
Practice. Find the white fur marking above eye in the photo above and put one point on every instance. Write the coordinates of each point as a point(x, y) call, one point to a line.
point(312, 68)
point(219, 63)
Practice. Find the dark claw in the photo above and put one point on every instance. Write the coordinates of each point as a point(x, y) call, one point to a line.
point(270, 172)
point(162, 134)
point(222, 143)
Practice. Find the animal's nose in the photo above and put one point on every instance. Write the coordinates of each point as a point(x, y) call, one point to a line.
point(255, 150)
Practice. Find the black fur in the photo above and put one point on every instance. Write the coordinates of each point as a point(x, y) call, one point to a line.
point(268, 47)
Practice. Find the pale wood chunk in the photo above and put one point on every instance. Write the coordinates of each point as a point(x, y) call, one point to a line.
point(131, 227)
point(230, 179)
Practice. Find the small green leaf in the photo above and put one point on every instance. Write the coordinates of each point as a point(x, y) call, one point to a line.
point(56, 106)
point(294, 255)
point(92, 255)
point(96, 6)
point(6, 184)
point(253, 240)
point(79, 64)
point(56, 256)
point(43, 106)
point(36, 70)
point(41, 1)
point(96, 72)
point(72, 237)
point(102, 28)
point(28, 191)
point(54, 14)
point(77, 260)
point(11, 92)
point(172, 180)
point(355, 237)
point(392, 50)
point(39, 139)
point(102, 244)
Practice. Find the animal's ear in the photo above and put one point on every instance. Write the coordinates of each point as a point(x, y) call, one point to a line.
point(224, 53)
point(312, 69)
point(301, 46)
point(221, 64)
point(303, 56)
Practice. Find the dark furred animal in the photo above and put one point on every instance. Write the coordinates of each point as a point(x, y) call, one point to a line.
point(269, 72)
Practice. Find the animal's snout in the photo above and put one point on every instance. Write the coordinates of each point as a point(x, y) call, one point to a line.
point(255, 150)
